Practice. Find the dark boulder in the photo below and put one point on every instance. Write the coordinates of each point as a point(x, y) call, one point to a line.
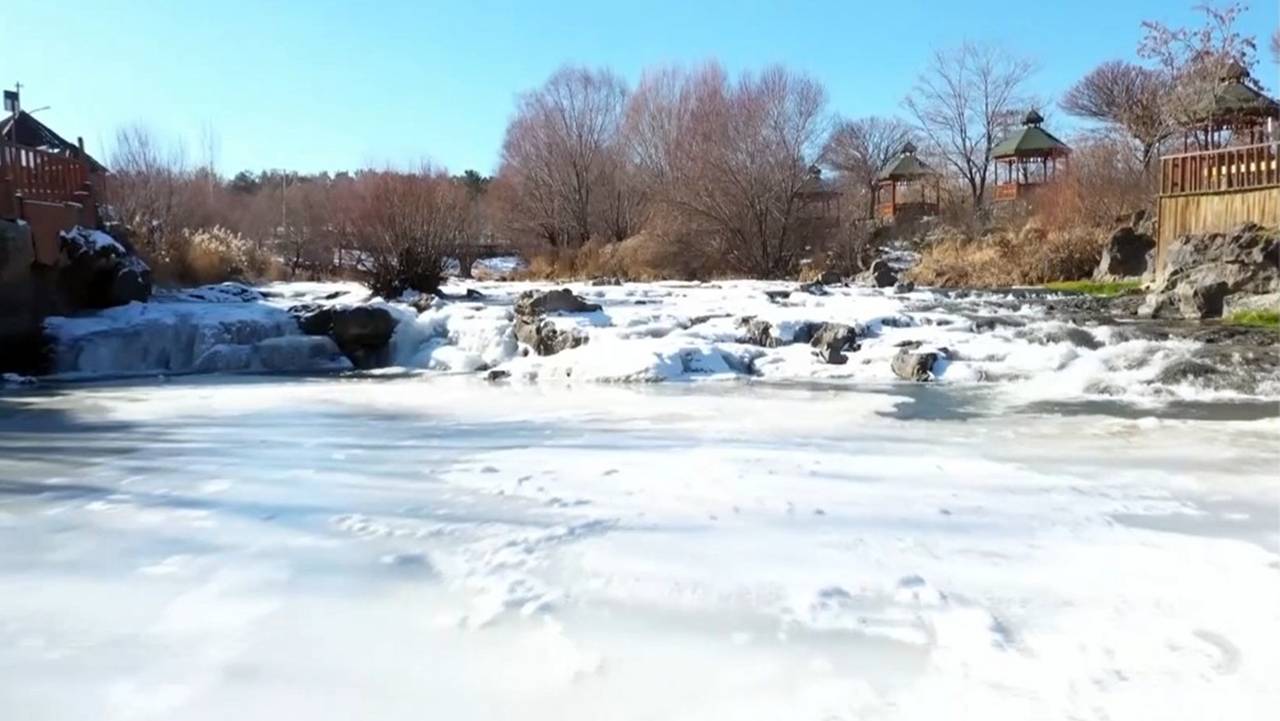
point(131, 283)
point(533, 303)
point(830, 277)
point(313, 319)
point(362, 333)
point(880, 275)
point(912, 365)
point(1127, 254)
point(814, 288)
point(830, 341)
point(1200, 272)
point(100, 272)
point(757, 332)
point(905, 286)
point(1185, 371)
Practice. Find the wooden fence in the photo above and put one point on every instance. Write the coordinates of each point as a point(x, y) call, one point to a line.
point(39, 175)
point(1215, 171)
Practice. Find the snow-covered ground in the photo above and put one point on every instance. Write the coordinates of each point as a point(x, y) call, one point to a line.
point(1075, 521)
point(649, 332)
point(436, 546)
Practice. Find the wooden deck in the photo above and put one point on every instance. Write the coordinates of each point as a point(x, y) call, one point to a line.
point(1215, 191)
point(50, 191)
point(1215, 171)
point(39, 175)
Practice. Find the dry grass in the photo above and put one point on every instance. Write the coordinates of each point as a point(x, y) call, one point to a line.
point(1032, 256)
point(212, 255)
point(645, 256)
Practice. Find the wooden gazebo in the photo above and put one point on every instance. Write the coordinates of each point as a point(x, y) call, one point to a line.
point(1232, 113)
point(1028, 159)
point(1229, 170)
point(906, 187)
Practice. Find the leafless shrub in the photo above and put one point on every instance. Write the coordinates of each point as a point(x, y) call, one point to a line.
point(406, 227)
point(1104, 184)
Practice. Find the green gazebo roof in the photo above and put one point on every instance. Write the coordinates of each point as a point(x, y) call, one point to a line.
point(1030, 141)
point(1233, 98)
point(906, 166)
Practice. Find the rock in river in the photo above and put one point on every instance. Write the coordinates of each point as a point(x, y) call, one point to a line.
point(912, 365)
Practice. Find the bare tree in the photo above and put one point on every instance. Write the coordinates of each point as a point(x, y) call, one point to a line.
point(1197, 58)
point(731, 159)
point(859, 149)
point(305, 239)
point(1125, 97)
point(964, 102)
point(1275, 46)
point(559, 153)
point(148, 191)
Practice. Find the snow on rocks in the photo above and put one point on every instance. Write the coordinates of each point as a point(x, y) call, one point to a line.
point(665, 331)
point(99, 272)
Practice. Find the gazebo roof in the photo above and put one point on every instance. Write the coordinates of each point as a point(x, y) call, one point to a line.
point(1233, 98)
point(31, 133)
point(1031, 141)
point(906, 166)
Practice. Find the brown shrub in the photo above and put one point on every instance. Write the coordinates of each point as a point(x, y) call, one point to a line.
point(665, 250)
point(1002, 258)
point(210, 255)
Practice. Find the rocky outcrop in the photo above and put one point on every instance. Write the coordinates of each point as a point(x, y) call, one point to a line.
point(881, 274)
point(1200, 272)
point(1127, 254)
point(830, 341)
point(534, 303)
point(545, 338)
point(913, 365)
point(542, 335)
point(99, 272)
point(757, 332)
point(360, 332)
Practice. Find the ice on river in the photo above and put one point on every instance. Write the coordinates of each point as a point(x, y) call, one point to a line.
point(648, 332)
point(440, 547)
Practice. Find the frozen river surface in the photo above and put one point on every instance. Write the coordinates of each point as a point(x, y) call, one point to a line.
point(441, 547)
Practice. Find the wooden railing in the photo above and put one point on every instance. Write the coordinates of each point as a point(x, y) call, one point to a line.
point(39, 175)
point(1247, 167)
point(1006, 191)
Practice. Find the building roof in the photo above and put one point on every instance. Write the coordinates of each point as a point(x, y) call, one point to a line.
point(1233, 98)
point(32, 133)
point(1030, 141)
point(906, 166)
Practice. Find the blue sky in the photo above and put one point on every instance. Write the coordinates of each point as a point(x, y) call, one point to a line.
point(314, 84)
